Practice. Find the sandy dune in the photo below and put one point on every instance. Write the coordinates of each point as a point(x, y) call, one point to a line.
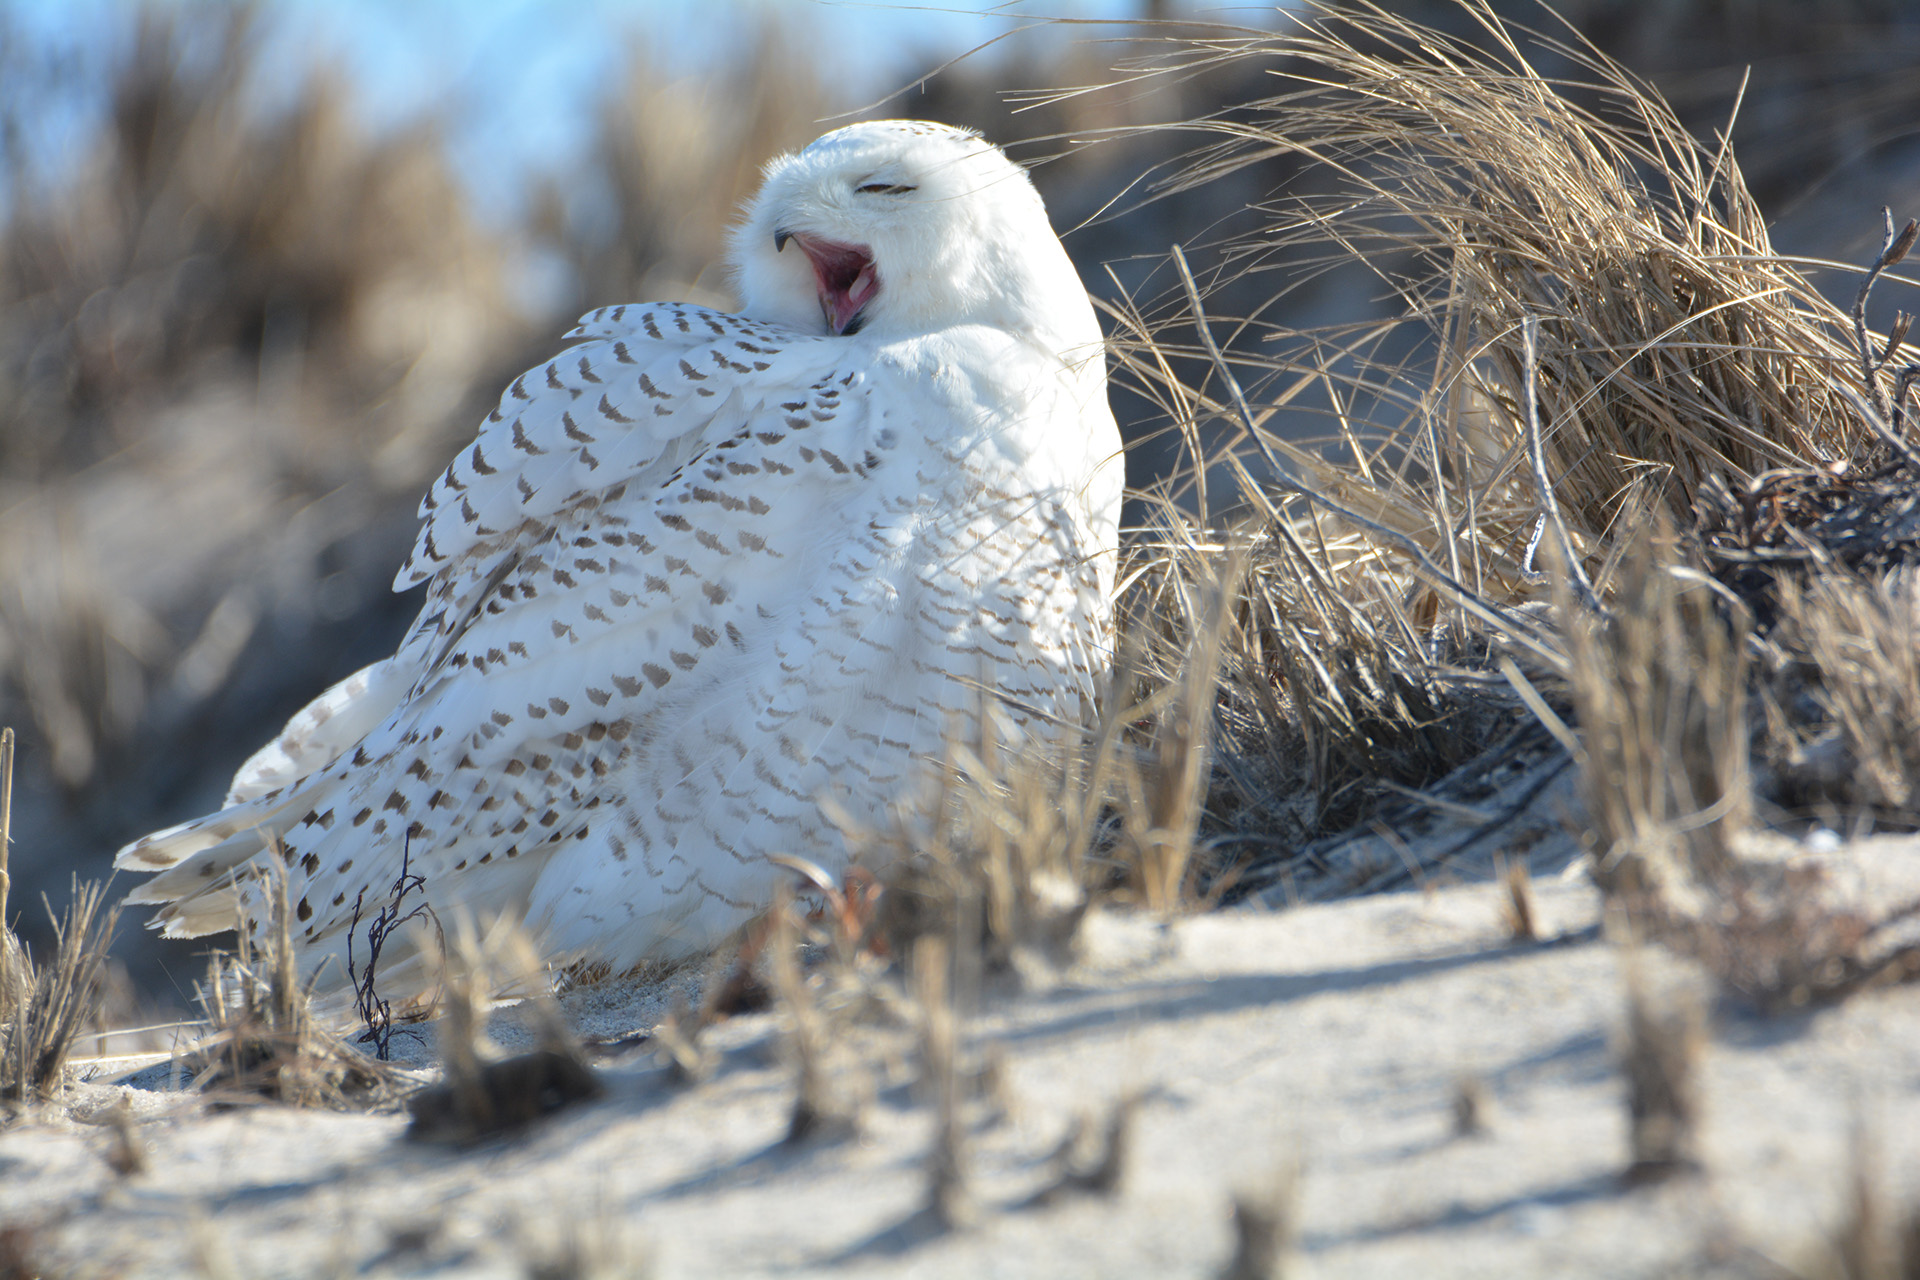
point(1335, 1036)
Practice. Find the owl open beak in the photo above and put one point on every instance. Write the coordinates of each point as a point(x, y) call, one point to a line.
point(845, 274)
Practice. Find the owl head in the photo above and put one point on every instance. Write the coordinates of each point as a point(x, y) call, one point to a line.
point(892, 228)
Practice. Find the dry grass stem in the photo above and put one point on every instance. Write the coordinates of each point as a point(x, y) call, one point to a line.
point(1660, 690)
point(821, 1108)
point(1092, 1159)
point(949, 1202)
point(1661, 1061)
point(482, 1096)
point(1472, 1108)
point(1521, 917)
point(1893, 250)
point(6, 825)
point(1265, 1224)
point(1577, 579)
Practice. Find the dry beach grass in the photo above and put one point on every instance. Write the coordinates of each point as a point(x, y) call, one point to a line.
point(1614, 493)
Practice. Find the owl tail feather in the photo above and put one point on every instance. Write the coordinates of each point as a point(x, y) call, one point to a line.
point(200, 861)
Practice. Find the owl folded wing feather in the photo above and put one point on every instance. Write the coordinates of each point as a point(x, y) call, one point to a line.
point(599, 552)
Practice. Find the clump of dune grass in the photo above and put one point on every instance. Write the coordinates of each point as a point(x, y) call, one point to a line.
point(999, 862)
point(1517, 910)
point(1589, 337)
point(1842, 695)
point(1673, 344)
point(43, 1008)
point(264, 1039)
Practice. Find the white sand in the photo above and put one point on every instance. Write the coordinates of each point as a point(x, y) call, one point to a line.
point(1335, 1035)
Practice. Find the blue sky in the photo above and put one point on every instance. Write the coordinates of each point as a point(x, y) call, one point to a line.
point(520, 75)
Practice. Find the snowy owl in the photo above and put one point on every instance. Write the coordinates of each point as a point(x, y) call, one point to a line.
point(701, 574)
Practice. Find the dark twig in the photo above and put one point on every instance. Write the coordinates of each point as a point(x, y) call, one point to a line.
point(1902, 323)
point(1901, 389)
point(376, 1012)
point(1892, 249)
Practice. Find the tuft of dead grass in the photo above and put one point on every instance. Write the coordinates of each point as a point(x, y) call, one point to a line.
point(1842, 695)
point(1673, 344)
point(1518, 912)
point(264, 1040)
point(1000, 860)
point(1472, 1108)
point(1660, 692)
point(43, 1008)
point(482, 1096)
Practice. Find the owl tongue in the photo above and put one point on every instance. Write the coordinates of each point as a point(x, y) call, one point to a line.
point(847, 280)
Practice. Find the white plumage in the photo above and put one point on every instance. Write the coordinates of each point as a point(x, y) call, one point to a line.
point(702, 570)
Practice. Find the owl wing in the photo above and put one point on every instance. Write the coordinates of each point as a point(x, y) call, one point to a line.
point(608, 545)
